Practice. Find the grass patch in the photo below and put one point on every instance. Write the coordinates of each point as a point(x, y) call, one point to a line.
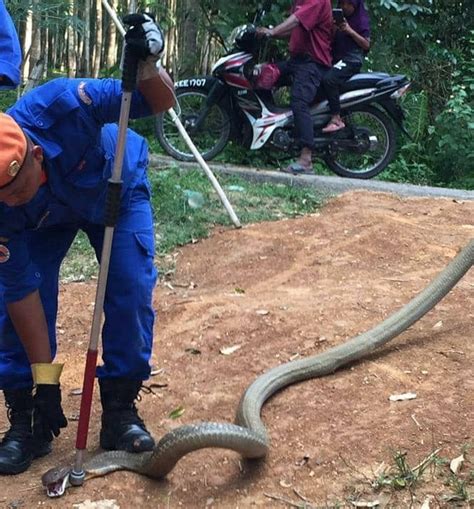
point(401, 475)
point(186, 208)
point(453, 487)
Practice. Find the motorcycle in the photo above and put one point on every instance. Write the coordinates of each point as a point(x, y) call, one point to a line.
point(228, 105)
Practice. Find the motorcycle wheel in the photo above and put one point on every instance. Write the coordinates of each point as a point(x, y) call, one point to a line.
point(370, 147)
point(211, 137)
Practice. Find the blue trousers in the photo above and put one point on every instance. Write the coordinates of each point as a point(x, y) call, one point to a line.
point(127, 334)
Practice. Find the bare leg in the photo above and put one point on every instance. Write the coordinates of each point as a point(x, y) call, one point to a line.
point(305, 158)
point(334, 124)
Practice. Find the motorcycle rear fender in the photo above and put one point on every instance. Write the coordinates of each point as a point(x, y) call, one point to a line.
point(395, 111)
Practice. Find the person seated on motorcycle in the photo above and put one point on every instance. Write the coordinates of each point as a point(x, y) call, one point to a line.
point(309, 28)
point(351, 43)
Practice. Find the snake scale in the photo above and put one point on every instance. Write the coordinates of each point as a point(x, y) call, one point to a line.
point(248, 435)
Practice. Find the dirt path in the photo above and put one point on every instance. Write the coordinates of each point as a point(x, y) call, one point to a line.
point(281, 291)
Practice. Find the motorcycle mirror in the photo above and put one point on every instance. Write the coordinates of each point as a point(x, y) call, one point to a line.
point(266, 6)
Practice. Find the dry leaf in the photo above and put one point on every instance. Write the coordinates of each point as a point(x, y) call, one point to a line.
point(402, 397)
point(302, 462)
point(285, 484)
point(427, 502)
point(156, 386)
point(456, 463)
point(362, 503)
point(193, 351)
point(99, 504)
point(230, 349)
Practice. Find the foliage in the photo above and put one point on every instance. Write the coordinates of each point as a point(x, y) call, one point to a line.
point(7, 98)
point(178, 223)
point(452, 134)
point(401, 475)
point(52, 14)
point(425, 39)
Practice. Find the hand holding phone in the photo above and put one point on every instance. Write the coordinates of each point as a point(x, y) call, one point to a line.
point(338, 16)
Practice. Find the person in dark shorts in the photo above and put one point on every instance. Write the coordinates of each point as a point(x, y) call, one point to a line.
point(351, 43)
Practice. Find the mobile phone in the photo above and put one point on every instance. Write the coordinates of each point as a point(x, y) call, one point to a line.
point(338, 16)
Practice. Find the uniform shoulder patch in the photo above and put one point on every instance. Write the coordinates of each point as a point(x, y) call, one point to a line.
point(4, 253)
point(81, 90)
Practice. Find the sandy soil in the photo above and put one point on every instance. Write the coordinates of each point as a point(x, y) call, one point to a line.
point(282, 291)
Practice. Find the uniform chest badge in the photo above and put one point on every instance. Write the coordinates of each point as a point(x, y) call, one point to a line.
point(4, 253)
point(13, 168)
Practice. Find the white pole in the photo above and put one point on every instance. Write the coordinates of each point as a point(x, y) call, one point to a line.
point(205, 167)
point(187, 139)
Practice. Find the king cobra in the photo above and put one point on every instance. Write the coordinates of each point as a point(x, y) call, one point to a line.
point(249, 436)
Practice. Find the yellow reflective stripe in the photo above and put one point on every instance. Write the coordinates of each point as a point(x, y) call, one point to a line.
point(44, 373)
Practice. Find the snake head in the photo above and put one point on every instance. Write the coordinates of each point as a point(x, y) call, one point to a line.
point(56, 480)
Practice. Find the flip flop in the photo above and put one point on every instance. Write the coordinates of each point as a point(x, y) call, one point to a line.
point(333, 127)
point(298, 169)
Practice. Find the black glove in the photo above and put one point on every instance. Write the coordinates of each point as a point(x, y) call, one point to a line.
point(48, 416)
point(144, 37)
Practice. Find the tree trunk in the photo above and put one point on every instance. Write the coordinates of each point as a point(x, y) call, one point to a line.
point(86, 55)
point(111, 58)
point(188, 50)
point(97, 50)
point(35, 52)
point(71, 49)
point(27, 38)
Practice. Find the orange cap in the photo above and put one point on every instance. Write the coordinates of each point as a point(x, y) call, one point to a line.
point(13, 147)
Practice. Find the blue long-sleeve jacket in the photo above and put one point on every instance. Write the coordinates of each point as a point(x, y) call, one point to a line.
point(70, 119)
point(10, 51)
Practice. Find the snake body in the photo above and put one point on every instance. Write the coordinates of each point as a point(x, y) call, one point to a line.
point(249, 436)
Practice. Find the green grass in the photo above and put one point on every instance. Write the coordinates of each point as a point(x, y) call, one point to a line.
point(402, 476)
point(178, 223)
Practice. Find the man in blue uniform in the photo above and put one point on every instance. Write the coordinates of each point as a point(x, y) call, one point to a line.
point(57, 146)
point(10, 51)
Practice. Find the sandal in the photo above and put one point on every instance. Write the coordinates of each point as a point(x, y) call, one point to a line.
point(332, 127)
point(298, 169)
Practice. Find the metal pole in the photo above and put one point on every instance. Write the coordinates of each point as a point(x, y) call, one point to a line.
point(112, 210)
point(187, 139)
point(205, 167)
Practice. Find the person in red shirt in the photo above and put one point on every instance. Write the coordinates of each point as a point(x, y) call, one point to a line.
point(309, 28)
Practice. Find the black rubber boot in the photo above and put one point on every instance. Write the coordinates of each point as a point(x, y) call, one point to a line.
point(122, 428)
point(19, 445)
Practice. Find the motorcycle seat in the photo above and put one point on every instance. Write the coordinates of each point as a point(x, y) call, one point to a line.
point(370, 80)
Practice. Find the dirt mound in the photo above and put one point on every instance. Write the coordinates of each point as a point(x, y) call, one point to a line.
point(281, 291)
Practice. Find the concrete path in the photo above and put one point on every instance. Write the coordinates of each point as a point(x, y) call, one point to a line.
point(326, 185)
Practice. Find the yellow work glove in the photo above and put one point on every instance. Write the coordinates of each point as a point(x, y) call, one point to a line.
point(48, 416)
